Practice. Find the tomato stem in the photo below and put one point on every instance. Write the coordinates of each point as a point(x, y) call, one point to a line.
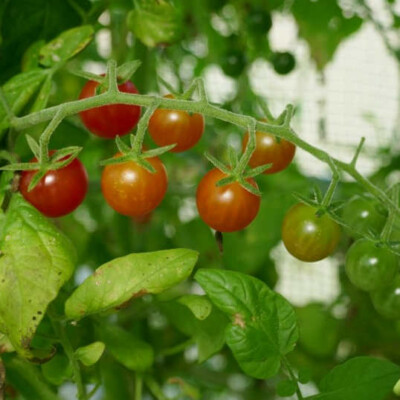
point(326, 201)
point(387, 229)
point(293, 377)
point(138, 386)
point(112, 77)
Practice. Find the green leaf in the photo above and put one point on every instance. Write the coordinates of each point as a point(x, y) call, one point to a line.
point(5, 344)
point(121, 279)
point(155, 22)
point(43, 96)
point(57, 370)
point(263, 325)
point(18, 91)
point(66, 45)
point(323, 25)
point(286, 388)
point(90, 354)
point(208, 334)
point(27, 379)
point(200, 306)
point(36, 261)
point(361, 378)
point(130, 351)
point(30, 60)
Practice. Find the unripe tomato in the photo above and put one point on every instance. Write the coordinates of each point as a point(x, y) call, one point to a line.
point(111, 120)
point(259, 21)
point(132, 190)
point(283, 62)
point(370, 267)
point(176, 127)
point(233, 62)
point(307, 236)
point(270, 150)
point(364, 215)
point(59, 192)
point(387, 300)
point(226, 208)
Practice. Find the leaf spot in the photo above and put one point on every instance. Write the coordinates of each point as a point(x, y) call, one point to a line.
point(238, 320)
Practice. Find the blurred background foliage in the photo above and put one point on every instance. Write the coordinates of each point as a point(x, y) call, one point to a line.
point(180, 40)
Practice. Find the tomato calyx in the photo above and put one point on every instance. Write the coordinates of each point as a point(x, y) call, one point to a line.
point(45, 160)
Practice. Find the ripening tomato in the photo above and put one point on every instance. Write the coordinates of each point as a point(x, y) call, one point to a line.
point(132, 190)
point(176, 127)
point(59, 192)
point(307, 236)
point(370, 267)
point(111, 120)
point(226, 208)
point(364, 214)
point(387, 300)
point(270, 150)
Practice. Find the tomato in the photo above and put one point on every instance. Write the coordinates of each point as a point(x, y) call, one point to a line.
point(370, 267)
point(283, 62)
point(132, 190)
point(387, 300)
point(259, 21)
point(111, 120)
point(364, 215)
point(59, 192)
point(307, 236)
point(172, 126)
point(233, 62)
point(270, 150)
point(226, 208)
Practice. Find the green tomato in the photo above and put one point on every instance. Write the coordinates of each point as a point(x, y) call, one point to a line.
point(387, 300)
point(259, 21)
point(233, 63)
point(370, 267)
point(364, 215)
point(283, 62)
point(307, 236)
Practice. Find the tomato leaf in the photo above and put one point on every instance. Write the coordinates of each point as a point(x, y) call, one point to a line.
point(5, 344)
point(90, 354)
point(121, 279)
point(43, 96)
point(263, 325)
point(155, 22)
point(200, 306)
point(57, 370)
point(324, 26)
point(66, 45)
point(361, 378)
point(130, 351)
point(35, 262)
point(18, 91)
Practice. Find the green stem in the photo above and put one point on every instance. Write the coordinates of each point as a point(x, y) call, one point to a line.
point(178, 348)
point(154, 388)
point(387, 229)
point(208, 110)
point(46, 135)
point(61, 332)
point(293, 377)
point(138, 386)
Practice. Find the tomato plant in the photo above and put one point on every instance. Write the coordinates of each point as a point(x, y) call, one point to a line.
point(168, 127)
point(59, 192)
point(132, 190)
point(110, 120)
point(270, 150)
point(225, 208)
point(132, 295)
point(308, 236)
point(369, 266)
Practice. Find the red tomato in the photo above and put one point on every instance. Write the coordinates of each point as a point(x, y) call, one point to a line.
point(270, 151)
point(176, 127)
point(59, 192)
point(132, 190)
point(226, 208)
point(111, 120)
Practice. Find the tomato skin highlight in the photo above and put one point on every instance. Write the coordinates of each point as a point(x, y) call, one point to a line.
point(370, 267)
point(59, 192)
point(226, 208)
point(110, 120)
point(269, 151)
point(131, 190)
point(387, 300)
point(176, 127)
point(309, 237)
